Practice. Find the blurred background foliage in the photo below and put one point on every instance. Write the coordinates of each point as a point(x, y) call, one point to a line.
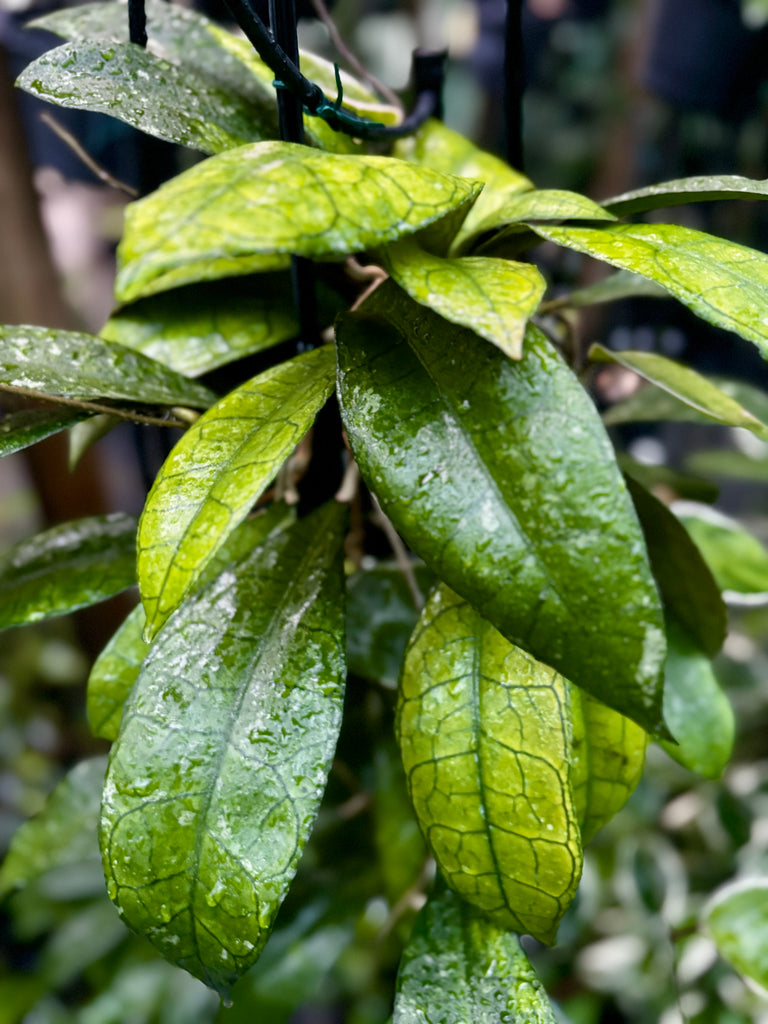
point(619, 93)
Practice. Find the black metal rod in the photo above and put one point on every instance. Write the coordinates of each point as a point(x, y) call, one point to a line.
point(137, 22)
point(283, 24)
point(514, 82)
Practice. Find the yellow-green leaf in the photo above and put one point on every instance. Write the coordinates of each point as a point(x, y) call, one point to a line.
point(493, 297)
point(216, 472)
point(485, 735)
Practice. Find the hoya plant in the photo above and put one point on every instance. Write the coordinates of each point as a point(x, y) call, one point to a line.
point(559, 615)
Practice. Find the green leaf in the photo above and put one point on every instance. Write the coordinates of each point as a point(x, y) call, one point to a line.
point(688, 588)
point(130, 83)
point(500, 476)
point(381, 614)
point(223, 753)
point(493, 297)
point(737, 919)
point(225, 216)
point(686, 190)
point(620, 285)
point(399, 843)
point(686, 385)
point(78, 365)
point(84, 435)
point(117, 667)
point(737, 559)
point(728, 464)
point(21, 429)
point(67, 567)
point(459, 967)
point(695, 708)
point(682, 484)
point(650, 404)
point(195, 329)
point(723, 283)
point(485, 736)
point(607, 759)
point(213, 476)
point(63, 833)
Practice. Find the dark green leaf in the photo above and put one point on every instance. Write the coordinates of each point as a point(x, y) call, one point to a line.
point(695, 708)
point(67, 567)
point(679, 484)
point(686, 190)
point(195, 329)
point(723, 283)
point(460, 968)
point(686, 385)
point(688, 588)
point(737, 559)
point(117, 667)
point(607, 759)
point(212, 478)
point(493, 297)
point(146, 92)
point(737, 919)
point(381, 614)
point(79, 365)
point(249, 208)
point(63, 833)
point(24, 428)
point(500, 476)
point(224, 748)
point(402, 853)
point(485, 735)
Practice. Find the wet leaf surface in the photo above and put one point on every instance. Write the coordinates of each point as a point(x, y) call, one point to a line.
point(459, 967)
point(19, 430)
point(485, 736)
point(223, 753)
point(79, 365)
point(686, 190)
point(248, 209)
point(493, 297)
point(67, 567)
point(723, 283)
point(496, 471)
point(213, 476)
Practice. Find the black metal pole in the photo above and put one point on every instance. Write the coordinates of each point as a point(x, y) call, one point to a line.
point(137, 22)
point(514, 82)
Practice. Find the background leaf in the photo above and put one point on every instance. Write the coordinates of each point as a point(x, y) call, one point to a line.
point(228, 208)
point(78, 365)
point(686, 385)
point(723, 283)
point(459, 967)
point(485, 736)
point(213, 476)
point(63, 833)
point(21, 429)
point(686, 190)
point(494, 470)
point(67, 567)
point(737, 559)
point(216, 777)
point(493, 297)
point(737, 919)
point(650, 404)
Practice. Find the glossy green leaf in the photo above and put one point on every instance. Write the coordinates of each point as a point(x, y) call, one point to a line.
point(439, 147)
point(493, 297)
point(723, 283)
point(79, 365)
point(132, 84)
point(21, 429)
point(686, 385)
point(485, 736)
point(70, 566)
point(684, 485)
point(223, 753)
point(737, 919)
point(255, 205)
point(117, 667)
point(195, 329)
point(620, 285)
point(737, 559)
point(686, 190)
point(607, 759)
point(696, 710)
point(212, 478)
point(63, 833)
point(381, 614)
point(459, 967)
point(650, 404)
point(688, 589)
point(500, 476)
